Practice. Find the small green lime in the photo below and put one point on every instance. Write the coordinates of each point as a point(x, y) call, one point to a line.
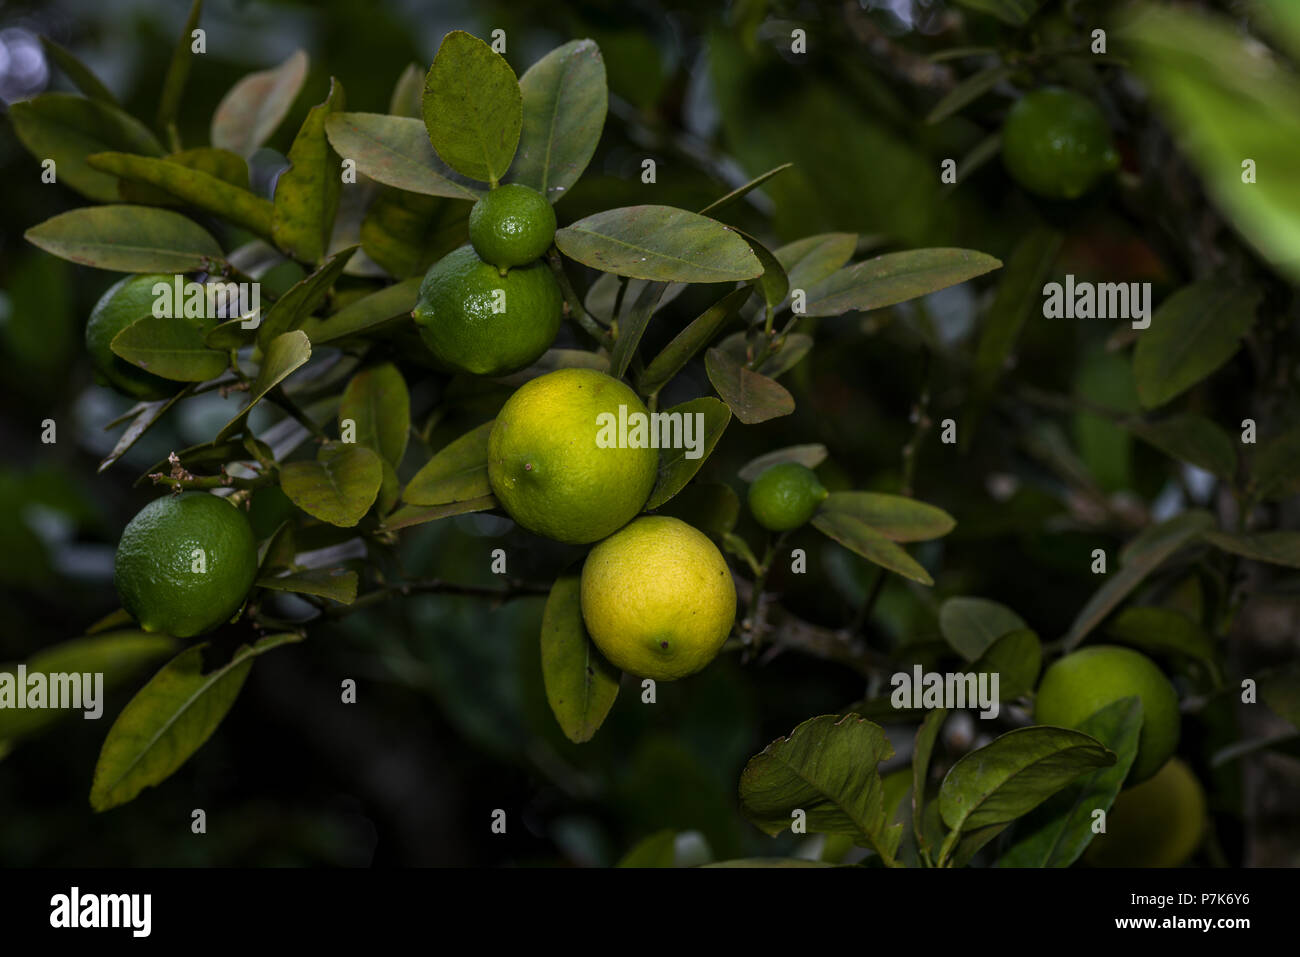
point(1085, 681)
point(185, 563)
point(125, 301)
point(1056, 143)
point(473, 319)
point(511, 225)
point(785, 496)
point(548, 468)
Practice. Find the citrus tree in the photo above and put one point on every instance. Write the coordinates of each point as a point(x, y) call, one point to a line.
point(415, 330)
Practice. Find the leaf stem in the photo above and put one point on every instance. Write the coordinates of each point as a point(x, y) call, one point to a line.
point(576, 311)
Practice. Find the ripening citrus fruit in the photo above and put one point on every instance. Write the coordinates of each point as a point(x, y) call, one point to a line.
point(185, 563)
point(785, 496)
point(123, 303)
point(1056, 143)
point(473, 319)
point(548, 471)
point(1158, 823)
point(1085, 681)
point(511, 225)
point(658, 599)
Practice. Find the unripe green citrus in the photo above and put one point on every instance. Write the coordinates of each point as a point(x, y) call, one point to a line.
point(473, 319)
point(122, 304)
point(658, 599)
point(785, 496)
point(546, 468)
point(185, 563)
point(1056, 143)
point(1085, 681)
point(511, 225)
point(1158, 823)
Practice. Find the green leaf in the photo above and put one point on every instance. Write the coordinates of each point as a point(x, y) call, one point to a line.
point(82, 77)
point(1014, 774)
point(747, 862)
point(1277, 548)
point(811, 455)
point(406, 233)
point(195, 187)
point(67, 129)
point(337, 584)
point(395, 151)
point(1016, 13)
point(169, 719)
point(741, 192)
point(377, 401)
point(660, 243)
point(143, 417)
point(1277, 466)
point(632, 327)
point(1057, 832)
point(285, 354)
point(178, 69)
point(127, 239)
point(303, 298)
point(388, 303)
point(926, 735)
point(712, 507)
point(564, 105)
point(894, 278)
point(1194, 331)
point(307, 193)
point(657, 850)
point(580, 684)
point(897, 517)
point(1016, 658)
point(809, 260)
point(420, 514)
point(827, 768)
point(256, 106)
point(663, 367)
point(859, 537)
point(171, 348)
point(675, 469)
point(1019, 293)
point(456, 473)
point(972, 625)
point(773, 283)
point(1162, 630)
point(753, 397)
point(1193, 439)
point(968, 91)
point(408, 94)
point(473, 108)
point(339, 487)
point(1141, 557)
point(118, 655)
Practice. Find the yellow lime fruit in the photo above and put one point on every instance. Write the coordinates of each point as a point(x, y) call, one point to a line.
point(1085, 681)
point(658, 598)
point(473, 319)
point(1157, 823)
point(122, 304)
point(1056, 143)
point(511, 225)
point(785, 496)
point(548, 469)
point(185, 563)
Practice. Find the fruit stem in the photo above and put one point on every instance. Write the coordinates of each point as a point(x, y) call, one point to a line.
point(576, 311)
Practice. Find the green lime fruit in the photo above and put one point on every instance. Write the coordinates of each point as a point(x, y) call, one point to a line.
point(658, 598)
point(185, 563)
point(550, 466)
point(785, 496)
point(511, 225)
point(473, 319)
point(1085, 681)
point(1056, 143)
point(1157, 823)
point(125, 301)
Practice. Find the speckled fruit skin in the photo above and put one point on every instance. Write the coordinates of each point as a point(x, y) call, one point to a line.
point(123, 303)
point(511, 225)
point(154, 566)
